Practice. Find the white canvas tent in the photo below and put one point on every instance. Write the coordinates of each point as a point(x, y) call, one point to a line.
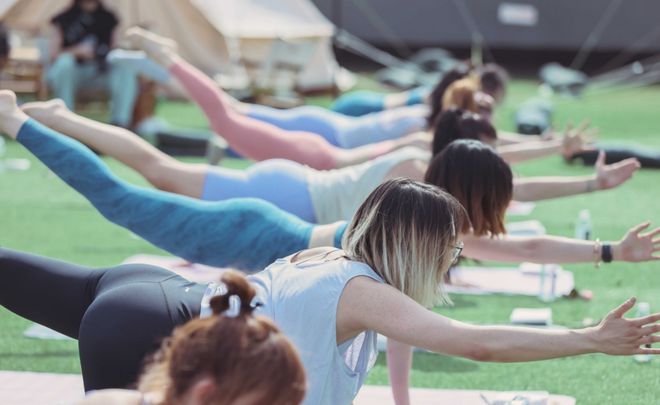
point(214, 35)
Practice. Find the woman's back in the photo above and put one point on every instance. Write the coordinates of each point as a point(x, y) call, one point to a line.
point(302, 298)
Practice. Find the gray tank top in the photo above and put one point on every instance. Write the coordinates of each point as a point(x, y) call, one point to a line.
point(302, 299)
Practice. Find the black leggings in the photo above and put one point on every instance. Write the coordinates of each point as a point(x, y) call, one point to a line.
point(118, 314)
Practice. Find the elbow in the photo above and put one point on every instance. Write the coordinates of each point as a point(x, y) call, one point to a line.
point(480, 352)
point(529, 249)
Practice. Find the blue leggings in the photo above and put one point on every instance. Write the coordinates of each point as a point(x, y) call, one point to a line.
point(357, 103)
point(340, 130)
point(363, 102)
point(247, 234)
point(278, 181)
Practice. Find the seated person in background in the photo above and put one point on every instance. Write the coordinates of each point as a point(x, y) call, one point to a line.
point(4, 46)
point(83, 37)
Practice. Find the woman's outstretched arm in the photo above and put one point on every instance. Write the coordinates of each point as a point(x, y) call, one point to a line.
point(606, 177)
point(388, 312)
point(635, 246)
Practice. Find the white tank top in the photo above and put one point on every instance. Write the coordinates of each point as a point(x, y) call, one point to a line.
point(337, 194)
point(302, 299)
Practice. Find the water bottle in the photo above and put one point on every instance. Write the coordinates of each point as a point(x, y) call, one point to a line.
point(583, 225)
point(643, 309)
point(548, 274)
point(2, 153)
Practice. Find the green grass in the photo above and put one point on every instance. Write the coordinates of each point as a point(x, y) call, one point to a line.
point(39, 214)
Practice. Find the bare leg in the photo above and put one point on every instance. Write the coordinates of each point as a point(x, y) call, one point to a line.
point(160, 169)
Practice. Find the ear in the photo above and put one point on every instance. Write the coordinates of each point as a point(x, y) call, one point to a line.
point(200, 392)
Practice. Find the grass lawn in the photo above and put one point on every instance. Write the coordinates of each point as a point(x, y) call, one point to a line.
point(39, 214)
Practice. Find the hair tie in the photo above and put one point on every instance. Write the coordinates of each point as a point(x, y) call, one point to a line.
point(234, 307)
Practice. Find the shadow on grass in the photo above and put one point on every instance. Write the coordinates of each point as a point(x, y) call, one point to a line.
point(462, 301)
point(435, 363)
point(58, 353)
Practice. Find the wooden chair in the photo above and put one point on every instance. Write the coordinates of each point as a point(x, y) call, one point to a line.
point(24, 72)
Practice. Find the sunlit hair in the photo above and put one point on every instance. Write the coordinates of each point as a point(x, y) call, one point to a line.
point(461, 95)
point(454, 124)
point(479, 178)
point(406, 231)
point(492, 80)
point(245, 355)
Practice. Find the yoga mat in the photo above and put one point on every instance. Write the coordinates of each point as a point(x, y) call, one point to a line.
point(520, 209)
point(523, 280)
point(525, 228)
point(36, 331)
point(381, 395)
point(21, 388)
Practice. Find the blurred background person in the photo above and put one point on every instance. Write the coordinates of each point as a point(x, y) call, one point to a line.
point(84, 34)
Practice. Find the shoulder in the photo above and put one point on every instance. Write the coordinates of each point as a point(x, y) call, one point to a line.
point(109, 17)
point(63, 17)
point(113, 397)
point(413, 166)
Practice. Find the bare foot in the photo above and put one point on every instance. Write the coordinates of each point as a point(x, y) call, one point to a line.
point(44, 111)
point(159, 48)
point(11, 117)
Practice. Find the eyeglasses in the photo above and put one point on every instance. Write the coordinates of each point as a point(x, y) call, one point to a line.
point(458, 249)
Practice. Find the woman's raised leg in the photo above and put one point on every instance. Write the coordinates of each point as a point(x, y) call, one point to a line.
point(50, 292)
point(160, 169)
point(245, 234)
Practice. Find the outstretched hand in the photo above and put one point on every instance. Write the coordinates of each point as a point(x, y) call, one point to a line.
point(610, 176)
point(617, 335)
point(576, 140)
point(637, 246)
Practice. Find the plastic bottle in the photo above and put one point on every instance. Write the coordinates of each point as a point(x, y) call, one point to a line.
point(643, 309)
point(547, 283)
point(583, 225)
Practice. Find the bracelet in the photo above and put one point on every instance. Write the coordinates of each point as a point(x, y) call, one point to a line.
point(606, 253)
point(598, 253)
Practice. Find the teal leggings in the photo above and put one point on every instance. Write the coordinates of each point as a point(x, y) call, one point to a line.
point(242, 233)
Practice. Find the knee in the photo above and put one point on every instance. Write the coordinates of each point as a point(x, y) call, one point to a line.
point(63, 70)
point(157, 173)
point(122, 74)
point(64, 63)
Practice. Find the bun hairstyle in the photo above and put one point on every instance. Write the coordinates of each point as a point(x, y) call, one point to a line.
point(238, 290)
point(244, 355)
point(454, 124)
point(406, 231)
point(479, 178)
point(493, 79)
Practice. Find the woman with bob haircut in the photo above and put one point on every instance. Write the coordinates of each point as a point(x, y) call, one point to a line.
point(227, 356)
point(331, 303)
